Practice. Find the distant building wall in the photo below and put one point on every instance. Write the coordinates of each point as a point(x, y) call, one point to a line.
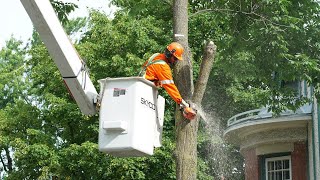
point(251, 164)
point(299, 161)
point(254, 167)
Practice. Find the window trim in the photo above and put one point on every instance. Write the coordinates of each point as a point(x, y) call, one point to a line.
point(276, 159)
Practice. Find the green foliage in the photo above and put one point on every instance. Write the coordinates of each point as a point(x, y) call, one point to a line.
point(19, 121)
point(63, 9)
point(203, 170)
point(34, 161)
point(160, 10)
point(109, 44)
point(82, 162)
point(11, 72)
point(258, 49)
point(85, 162)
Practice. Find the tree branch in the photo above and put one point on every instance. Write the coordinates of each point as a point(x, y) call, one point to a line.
point(9, 159)
point(262, 18)
point(3, 164)
point(205, 69)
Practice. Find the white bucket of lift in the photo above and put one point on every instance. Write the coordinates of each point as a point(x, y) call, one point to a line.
point(131, 117)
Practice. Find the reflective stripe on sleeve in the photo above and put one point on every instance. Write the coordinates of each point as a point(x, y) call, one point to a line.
point(167, 82)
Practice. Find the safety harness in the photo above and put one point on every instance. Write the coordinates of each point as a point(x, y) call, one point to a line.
point(142, 73)
point(150, 62)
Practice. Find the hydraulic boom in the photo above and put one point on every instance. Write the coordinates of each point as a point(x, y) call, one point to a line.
point(69, 63)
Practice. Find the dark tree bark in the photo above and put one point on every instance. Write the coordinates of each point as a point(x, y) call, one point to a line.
point(186, 131)
point(7, 166)
point(9, 159)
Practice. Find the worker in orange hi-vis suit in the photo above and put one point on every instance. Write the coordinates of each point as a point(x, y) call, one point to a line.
point(157, 69)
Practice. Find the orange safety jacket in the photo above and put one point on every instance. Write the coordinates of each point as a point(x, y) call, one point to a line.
point(159, 71)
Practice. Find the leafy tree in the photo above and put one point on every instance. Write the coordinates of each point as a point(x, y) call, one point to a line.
point(13, 87)
point(266, 44)
point(12, 68)
point(261, 50)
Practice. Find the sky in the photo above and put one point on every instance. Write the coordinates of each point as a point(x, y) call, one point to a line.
point(14, 20)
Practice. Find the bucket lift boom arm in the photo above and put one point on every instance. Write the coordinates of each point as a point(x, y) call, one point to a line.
point(65, 56)
point(131, 131)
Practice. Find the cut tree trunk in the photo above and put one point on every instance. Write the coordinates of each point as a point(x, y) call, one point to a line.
point(186, 131)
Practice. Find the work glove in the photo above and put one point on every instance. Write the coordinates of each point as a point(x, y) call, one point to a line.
point(188, 111)
point(184, 104)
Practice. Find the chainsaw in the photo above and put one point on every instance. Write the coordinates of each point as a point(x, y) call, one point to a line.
point(187, 111)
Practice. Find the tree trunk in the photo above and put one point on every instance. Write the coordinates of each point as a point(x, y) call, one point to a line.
point(186, 131)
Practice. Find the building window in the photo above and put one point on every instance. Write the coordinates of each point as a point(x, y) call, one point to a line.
point(278, 168)
point(293, 86)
